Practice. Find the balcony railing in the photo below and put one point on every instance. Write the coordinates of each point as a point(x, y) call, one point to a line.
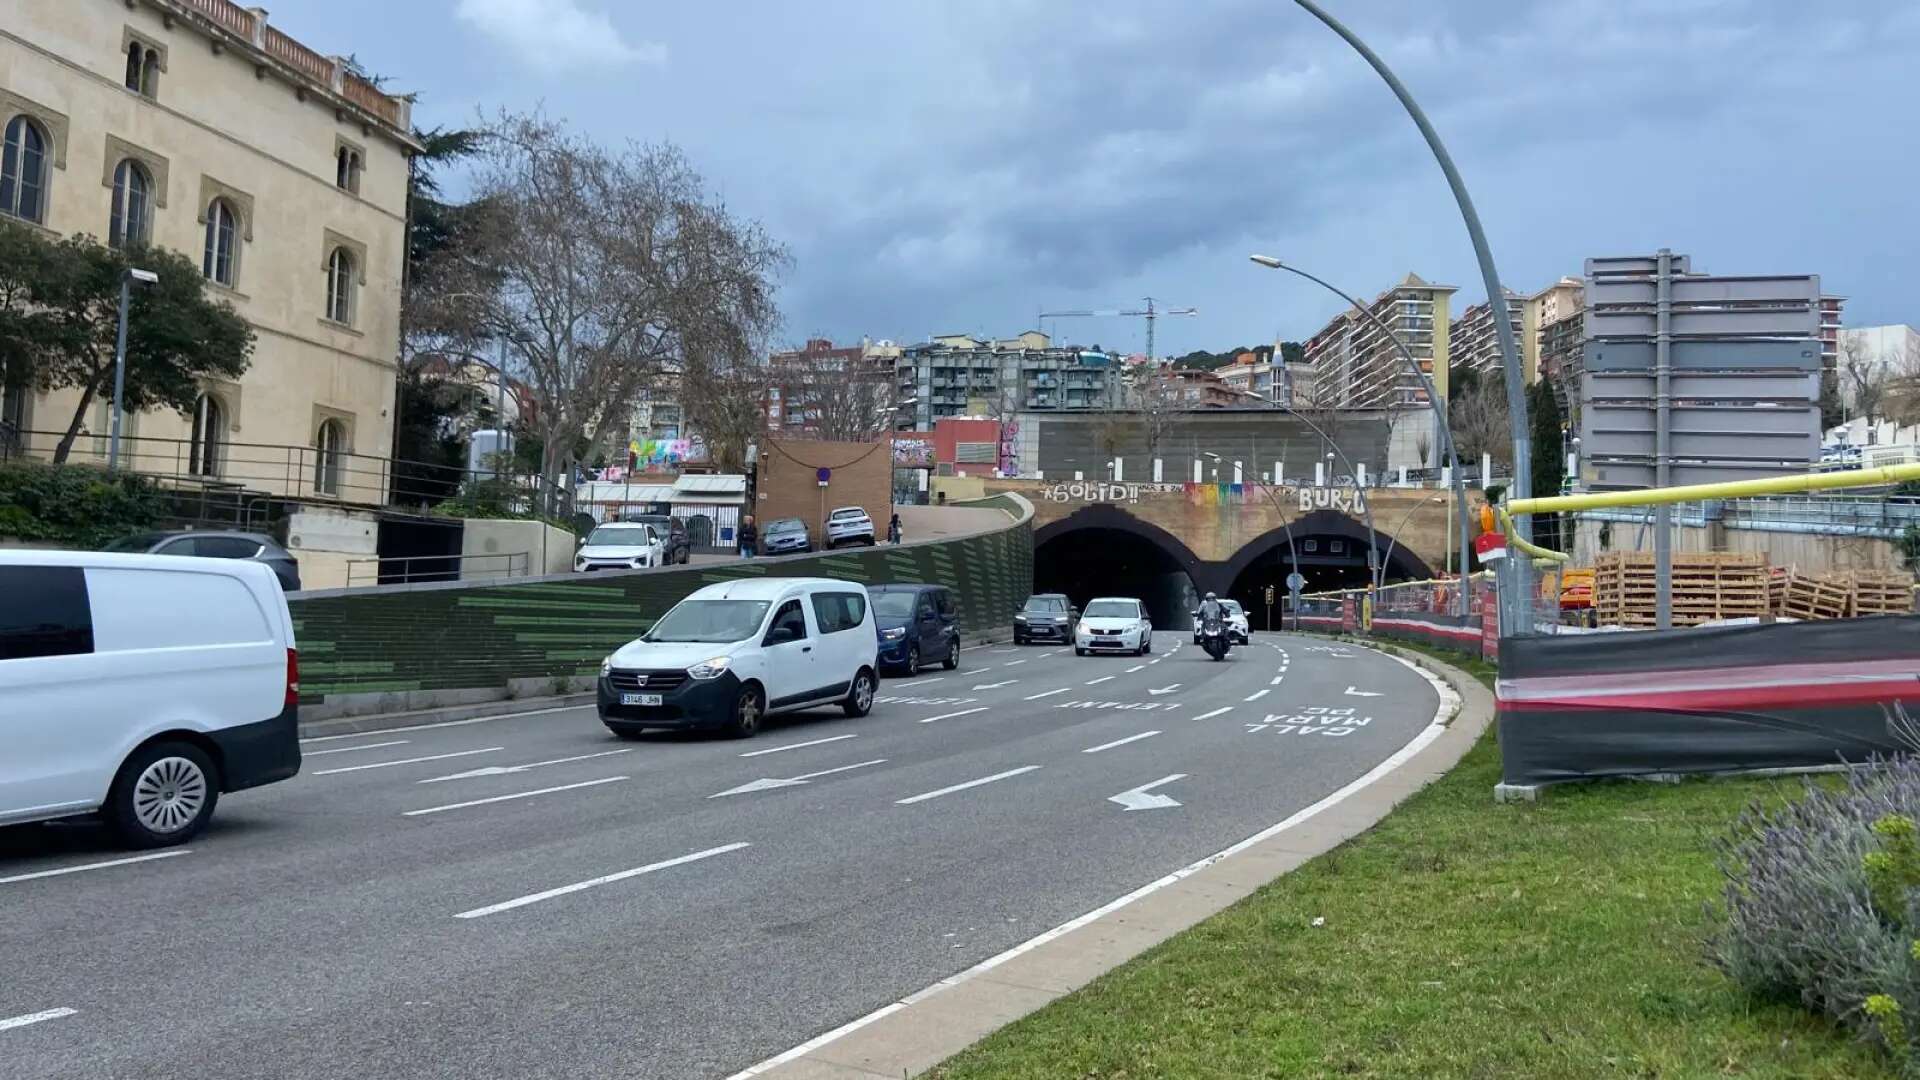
point(324, 70)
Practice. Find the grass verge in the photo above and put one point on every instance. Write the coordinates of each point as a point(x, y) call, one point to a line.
point(1461, 939)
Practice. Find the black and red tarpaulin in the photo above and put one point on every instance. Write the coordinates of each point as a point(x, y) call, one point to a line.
point(1705, 700)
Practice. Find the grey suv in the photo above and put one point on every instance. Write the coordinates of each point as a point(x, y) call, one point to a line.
point(216, 545)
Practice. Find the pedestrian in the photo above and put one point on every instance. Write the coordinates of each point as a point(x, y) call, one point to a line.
point(893, 529)
point(749, 537)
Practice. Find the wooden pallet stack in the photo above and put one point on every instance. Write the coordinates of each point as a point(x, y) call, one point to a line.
point(1817, 596)
point(1706, 586)
point(1878, 592)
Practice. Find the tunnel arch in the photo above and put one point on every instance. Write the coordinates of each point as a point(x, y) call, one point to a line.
point(1329, 523)
point(1104, 550)
point(1266, 560)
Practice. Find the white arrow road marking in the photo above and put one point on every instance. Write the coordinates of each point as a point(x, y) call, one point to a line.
point(515, 795)
point(1351, 692)
point(34, 1018)
point(1047, 693)
point(796, 746)
point(408, 761)
point(83, 867)
point(769, 783)
point(919, 682)
point(962, 787)
point(1120, 742)
point(951, 715)
point(1214, 713)
point(1098, 681)
point(351, 749)
point(996, 685)
point(1139, 799)
point(1136, 667)
point(534, 898)
point(1168, 689)
point(508, 770)
point(1258, 694)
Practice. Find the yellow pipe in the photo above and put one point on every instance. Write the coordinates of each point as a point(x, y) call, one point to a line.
point(1732, 489)
point(1540, 554)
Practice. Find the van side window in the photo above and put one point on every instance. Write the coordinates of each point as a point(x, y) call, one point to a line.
point(46, 613)
point(839, 611)
point(789, 615)
point(946, 603)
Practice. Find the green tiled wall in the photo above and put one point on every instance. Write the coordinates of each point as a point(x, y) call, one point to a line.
point(480, 636)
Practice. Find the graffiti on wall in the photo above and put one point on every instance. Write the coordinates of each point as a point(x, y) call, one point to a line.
point(1346, 500)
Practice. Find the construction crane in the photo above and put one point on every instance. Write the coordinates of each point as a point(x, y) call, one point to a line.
point(1150, 313)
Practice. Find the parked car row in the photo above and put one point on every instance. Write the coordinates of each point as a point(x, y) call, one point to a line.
point(846, 526)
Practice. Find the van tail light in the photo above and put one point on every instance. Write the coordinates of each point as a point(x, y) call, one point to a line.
point(293, 678)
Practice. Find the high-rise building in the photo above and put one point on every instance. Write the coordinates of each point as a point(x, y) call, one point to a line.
point(960, 375)
point(1830, 331)
point(1356, 366)
point(198, 126)
point(1556, 321)
point(1474, 344)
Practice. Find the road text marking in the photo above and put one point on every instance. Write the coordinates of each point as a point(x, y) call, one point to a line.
point(34, 1018)
point(516, 795)
point(951, 715)
point(1119, 742)
point(407, 761)
point(92, 866)
point(578, 886)
point(965, 786)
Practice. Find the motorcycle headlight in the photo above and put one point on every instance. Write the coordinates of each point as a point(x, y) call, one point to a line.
point(606, 667)
point(894, 634)
point(710, 669)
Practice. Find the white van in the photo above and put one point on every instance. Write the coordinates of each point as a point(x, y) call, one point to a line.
point(141, 687)
point(731, 654)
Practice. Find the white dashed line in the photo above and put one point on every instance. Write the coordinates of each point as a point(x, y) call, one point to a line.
point(920, 682)
point(1048, 693)
point(1257, 695)
point(951, 715)
point(1136, 667)
point(1098, 681)
point(1276, 680)
point(1214, 713)
point(515, 795)
point(1120, 742)
point(534, 898)
point(448, 723)
point(1013, 663)
point(83, 867)
point(796, 746)
point(351, 749)
point(34, 1018)
point(406, 761)
point(962, 787)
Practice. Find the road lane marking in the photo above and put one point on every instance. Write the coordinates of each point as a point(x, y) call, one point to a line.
point(509, 770)
point(1098, 681)
point(352, 749)
point(1155, 660)
point(1257, 695)
point(1214, 713)
point(1355, 692)
point(35, 1018)
point(918, 682)
point(406, 761)
point(448, 723)
point(768, 783)
point(996, 685)
point(1167, 689)
point(1141, 798)
point(515, 795)
point(578, 886)
point(951, 715)
point(796, 746)
point(1276, 680)
point(83, 867)
point(1013, 663)
point(962, 787)
point(1120, 742)
point(1046, 693)
point(1136, 667)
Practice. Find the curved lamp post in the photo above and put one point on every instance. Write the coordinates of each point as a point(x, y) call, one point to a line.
point(1444, 429)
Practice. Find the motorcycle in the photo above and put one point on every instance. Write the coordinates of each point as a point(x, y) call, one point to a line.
point(1214, 638)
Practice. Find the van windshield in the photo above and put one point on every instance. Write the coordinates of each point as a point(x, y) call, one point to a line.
point(713, 621)
point(893, 605)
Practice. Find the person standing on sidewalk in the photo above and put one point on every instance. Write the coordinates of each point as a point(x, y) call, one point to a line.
point(893, 529)
point(749, 538)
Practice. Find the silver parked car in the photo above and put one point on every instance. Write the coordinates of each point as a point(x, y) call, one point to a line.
point(216, 545)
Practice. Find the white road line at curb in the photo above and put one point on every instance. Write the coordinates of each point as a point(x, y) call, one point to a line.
point(406, 761)
point(34, 1018)
point(1214, 713)
point(1120, 742)
point(515, 795)
point(446, 723)
point(951, 715)
point(1048, 693)
point(1398, 758)
point(352, 749)
point(911, 799)
point(84, 867)
point(534, 898)
point(796, 746)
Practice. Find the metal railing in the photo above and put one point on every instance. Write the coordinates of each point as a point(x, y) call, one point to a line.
point(1843, 515)
point(403, 570)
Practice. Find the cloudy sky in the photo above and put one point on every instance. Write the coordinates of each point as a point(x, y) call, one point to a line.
point(960, 165)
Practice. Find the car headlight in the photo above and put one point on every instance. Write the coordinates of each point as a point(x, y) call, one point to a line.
point(1019, 618)
point(637, 561)
point(710, 669)
point(606, 667)
point(580, 563)
point(894, 634)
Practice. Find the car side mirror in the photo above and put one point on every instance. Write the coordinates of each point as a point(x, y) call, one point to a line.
point(781, 635)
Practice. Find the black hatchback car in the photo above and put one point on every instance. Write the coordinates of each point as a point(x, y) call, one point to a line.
point(216, 545)
point(1046, 617)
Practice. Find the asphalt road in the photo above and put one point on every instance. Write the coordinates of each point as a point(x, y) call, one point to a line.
point(530, 897)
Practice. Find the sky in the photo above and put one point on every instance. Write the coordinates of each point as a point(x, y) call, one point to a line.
point(959, 166)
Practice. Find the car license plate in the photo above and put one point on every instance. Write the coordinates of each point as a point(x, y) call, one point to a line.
point(640, 699)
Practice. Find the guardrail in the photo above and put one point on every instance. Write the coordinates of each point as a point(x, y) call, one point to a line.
point(411, 569)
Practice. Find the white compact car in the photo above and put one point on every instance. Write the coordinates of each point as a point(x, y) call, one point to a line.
point(621, 545)
point(141, 688)
point(849, 525)
point(731, 654)
point(1239, 630)
point(1113, 624)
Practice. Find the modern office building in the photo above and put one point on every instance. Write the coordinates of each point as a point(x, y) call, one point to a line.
point(1357, 366)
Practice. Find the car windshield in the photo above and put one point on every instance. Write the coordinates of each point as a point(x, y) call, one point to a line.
point(617, 536)
point(893, 605)
point(786, 525)
point(713, 621)
point(136, 542)
point(1046, 603)
point(1113, 609)
point(1232, 606)
point(849, 515)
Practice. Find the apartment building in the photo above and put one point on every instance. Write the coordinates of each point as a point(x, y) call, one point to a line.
point(961, 375)
point(792, 404)
point(199, 126)
point(1357, 366)
point(1475, 340)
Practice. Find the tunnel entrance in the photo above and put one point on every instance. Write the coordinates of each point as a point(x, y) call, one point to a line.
point(1089, 562)
point(1331, 554)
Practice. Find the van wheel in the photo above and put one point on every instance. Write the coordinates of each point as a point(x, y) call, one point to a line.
point(860, 695)
point(748, 710)
point(163, 795)
point(953, 655)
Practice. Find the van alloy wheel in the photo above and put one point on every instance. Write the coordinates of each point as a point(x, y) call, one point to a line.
point(169, 794)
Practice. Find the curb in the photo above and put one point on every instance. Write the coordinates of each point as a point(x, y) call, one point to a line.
point(918, 1032)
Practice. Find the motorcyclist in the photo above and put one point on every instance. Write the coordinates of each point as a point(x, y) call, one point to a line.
point(1211, 610)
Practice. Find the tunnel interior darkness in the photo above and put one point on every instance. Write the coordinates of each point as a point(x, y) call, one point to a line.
point(1326, 561)
point(1086, 563)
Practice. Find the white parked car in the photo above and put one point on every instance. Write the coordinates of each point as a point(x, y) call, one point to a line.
point(732, 654)
point(849, 525)
point(141, 688)
point(1113, 624)
point(621, 545)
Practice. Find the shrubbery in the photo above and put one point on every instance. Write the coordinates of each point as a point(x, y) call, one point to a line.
point(73, 505)
point(1823, 903)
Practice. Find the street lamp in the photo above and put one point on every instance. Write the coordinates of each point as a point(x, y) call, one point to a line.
point(128, 278)
point(1444, 429)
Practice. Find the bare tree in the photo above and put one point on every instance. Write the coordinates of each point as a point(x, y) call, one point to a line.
point(1478, 416)
point(1865, 378)
point(837, 400)
point(604, 267)
point(725, 402)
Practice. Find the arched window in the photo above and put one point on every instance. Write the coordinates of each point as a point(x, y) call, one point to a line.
point(23, 170)
point(209, 425)
point(347, 169)
point(340, 286)
point(132, 221)
point(330, 444)
point(143, 69)
point(218, 263)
